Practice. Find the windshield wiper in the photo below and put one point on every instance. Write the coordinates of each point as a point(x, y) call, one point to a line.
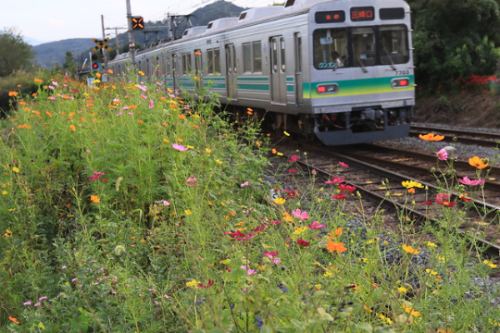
point(362, 66)
point(390, 59)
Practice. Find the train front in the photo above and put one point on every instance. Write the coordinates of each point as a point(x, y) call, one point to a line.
point(361, 84)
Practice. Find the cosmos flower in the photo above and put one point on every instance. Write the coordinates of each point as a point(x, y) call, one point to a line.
point(335, 247)
point(316, 225)
point(467, 181)
point(302, 242)
point(335, 180)
point(179, 147)
point(442, 155)
point(479, 163)
point(431, 137)
point(300, 214)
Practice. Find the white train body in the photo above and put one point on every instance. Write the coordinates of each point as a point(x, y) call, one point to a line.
point(340, 69)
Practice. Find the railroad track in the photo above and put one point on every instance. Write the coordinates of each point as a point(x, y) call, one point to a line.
point(378, 173)
point(454, 135)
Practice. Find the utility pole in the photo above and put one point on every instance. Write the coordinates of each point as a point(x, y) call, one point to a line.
point(131, 42)
point(104, 38)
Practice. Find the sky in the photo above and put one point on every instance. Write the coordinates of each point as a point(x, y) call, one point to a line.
point(41, 21)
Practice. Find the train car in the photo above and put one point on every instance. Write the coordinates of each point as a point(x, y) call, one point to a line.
point(341, 70)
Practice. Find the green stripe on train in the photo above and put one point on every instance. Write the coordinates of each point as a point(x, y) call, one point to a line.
point(379, 85)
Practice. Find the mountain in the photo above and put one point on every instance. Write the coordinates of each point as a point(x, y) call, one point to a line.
point(32, 41)
point(50, 54)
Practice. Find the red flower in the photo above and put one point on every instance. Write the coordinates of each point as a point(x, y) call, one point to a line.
point(302, 242)
point(209, 284)
point(293, 158)
point(339, 196)
point(346, 188)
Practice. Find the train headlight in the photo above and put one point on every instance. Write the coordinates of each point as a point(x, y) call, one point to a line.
point(327, 89)
point(403, 82)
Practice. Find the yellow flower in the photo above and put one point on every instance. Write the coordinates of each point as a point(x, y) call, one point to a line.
point(490, 263)
point(430, 271)
point(430, 244)
point(402, 290)
point(188, 212)
point(410, 250)
point(192, 284)
point(411, 311)
point(410, 184)
point(286, 133)
point(298, 231)
point(15, 169)
point(279, 201)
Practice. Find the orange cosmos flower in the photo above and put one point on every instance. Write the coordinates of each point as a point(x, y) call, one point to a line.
point(334, 246)
point(12, 93)
point(38, 80)
point(14, 320)
point(410, 250)
point(479, 163)
point(95, 199)
point(431, 137)
point(72, 128)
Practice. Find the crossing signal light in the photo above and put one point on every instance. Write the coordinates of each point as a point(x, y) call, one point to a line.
point(96, 66)
point(137, 23)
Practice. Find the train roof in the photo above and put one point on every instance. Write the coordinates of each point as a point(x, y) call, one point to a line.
point(221, 23)
point(254, 14)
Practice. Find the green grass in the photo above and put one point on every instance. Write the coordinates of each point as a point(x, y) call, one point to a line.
point(127, 209)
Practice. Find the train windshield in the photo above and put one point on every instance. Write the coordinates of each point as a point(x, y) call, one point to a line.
point(370, 46)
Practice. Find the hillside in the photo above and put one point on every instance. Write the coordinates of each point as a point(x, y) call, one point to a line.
point(49, 54)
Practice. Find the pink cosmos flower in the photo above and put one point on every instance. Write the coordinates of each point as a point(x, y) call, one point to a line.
point(467, 181)
point(316, 226)
point(342, 164)
point(276, 261)
point(442, 154)
point(271, 254)
point(96, 175)
point(151, 104)
point(335, 180)
point(293, 158)
point(191, 179)
point(340, 196)
point(244, 184)
point(179, 147)
point(300, 214)
point(163, 202)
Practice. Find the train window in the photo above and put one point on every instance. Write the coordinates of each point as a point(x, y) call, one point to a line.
point(394, 43)
point(363, 42)
point(247, 58)
point(257, 56)
point(186, 63)
point(216, 60)
point(330, 48)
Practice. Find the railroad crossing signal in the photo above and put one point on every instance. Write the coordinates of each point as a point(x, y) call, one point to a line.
point(100, 44)
point(96, 66)
point(137, 22)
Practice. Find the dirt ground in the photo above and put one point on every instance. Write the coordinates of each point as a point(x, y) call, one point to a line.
point(473, 109)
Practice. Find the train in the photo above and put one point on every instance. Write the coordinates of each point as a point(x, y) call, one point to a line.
point(339, 70)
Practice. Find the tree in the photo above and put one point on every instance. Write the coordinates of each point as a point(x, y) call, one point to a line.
point(15, 54)
point(454, 40)
point(69, 63)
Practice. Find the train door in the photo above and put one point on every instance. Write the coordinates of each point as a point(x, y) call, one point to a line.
point(298, 69)
point(278, 70)
point(232, 89)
